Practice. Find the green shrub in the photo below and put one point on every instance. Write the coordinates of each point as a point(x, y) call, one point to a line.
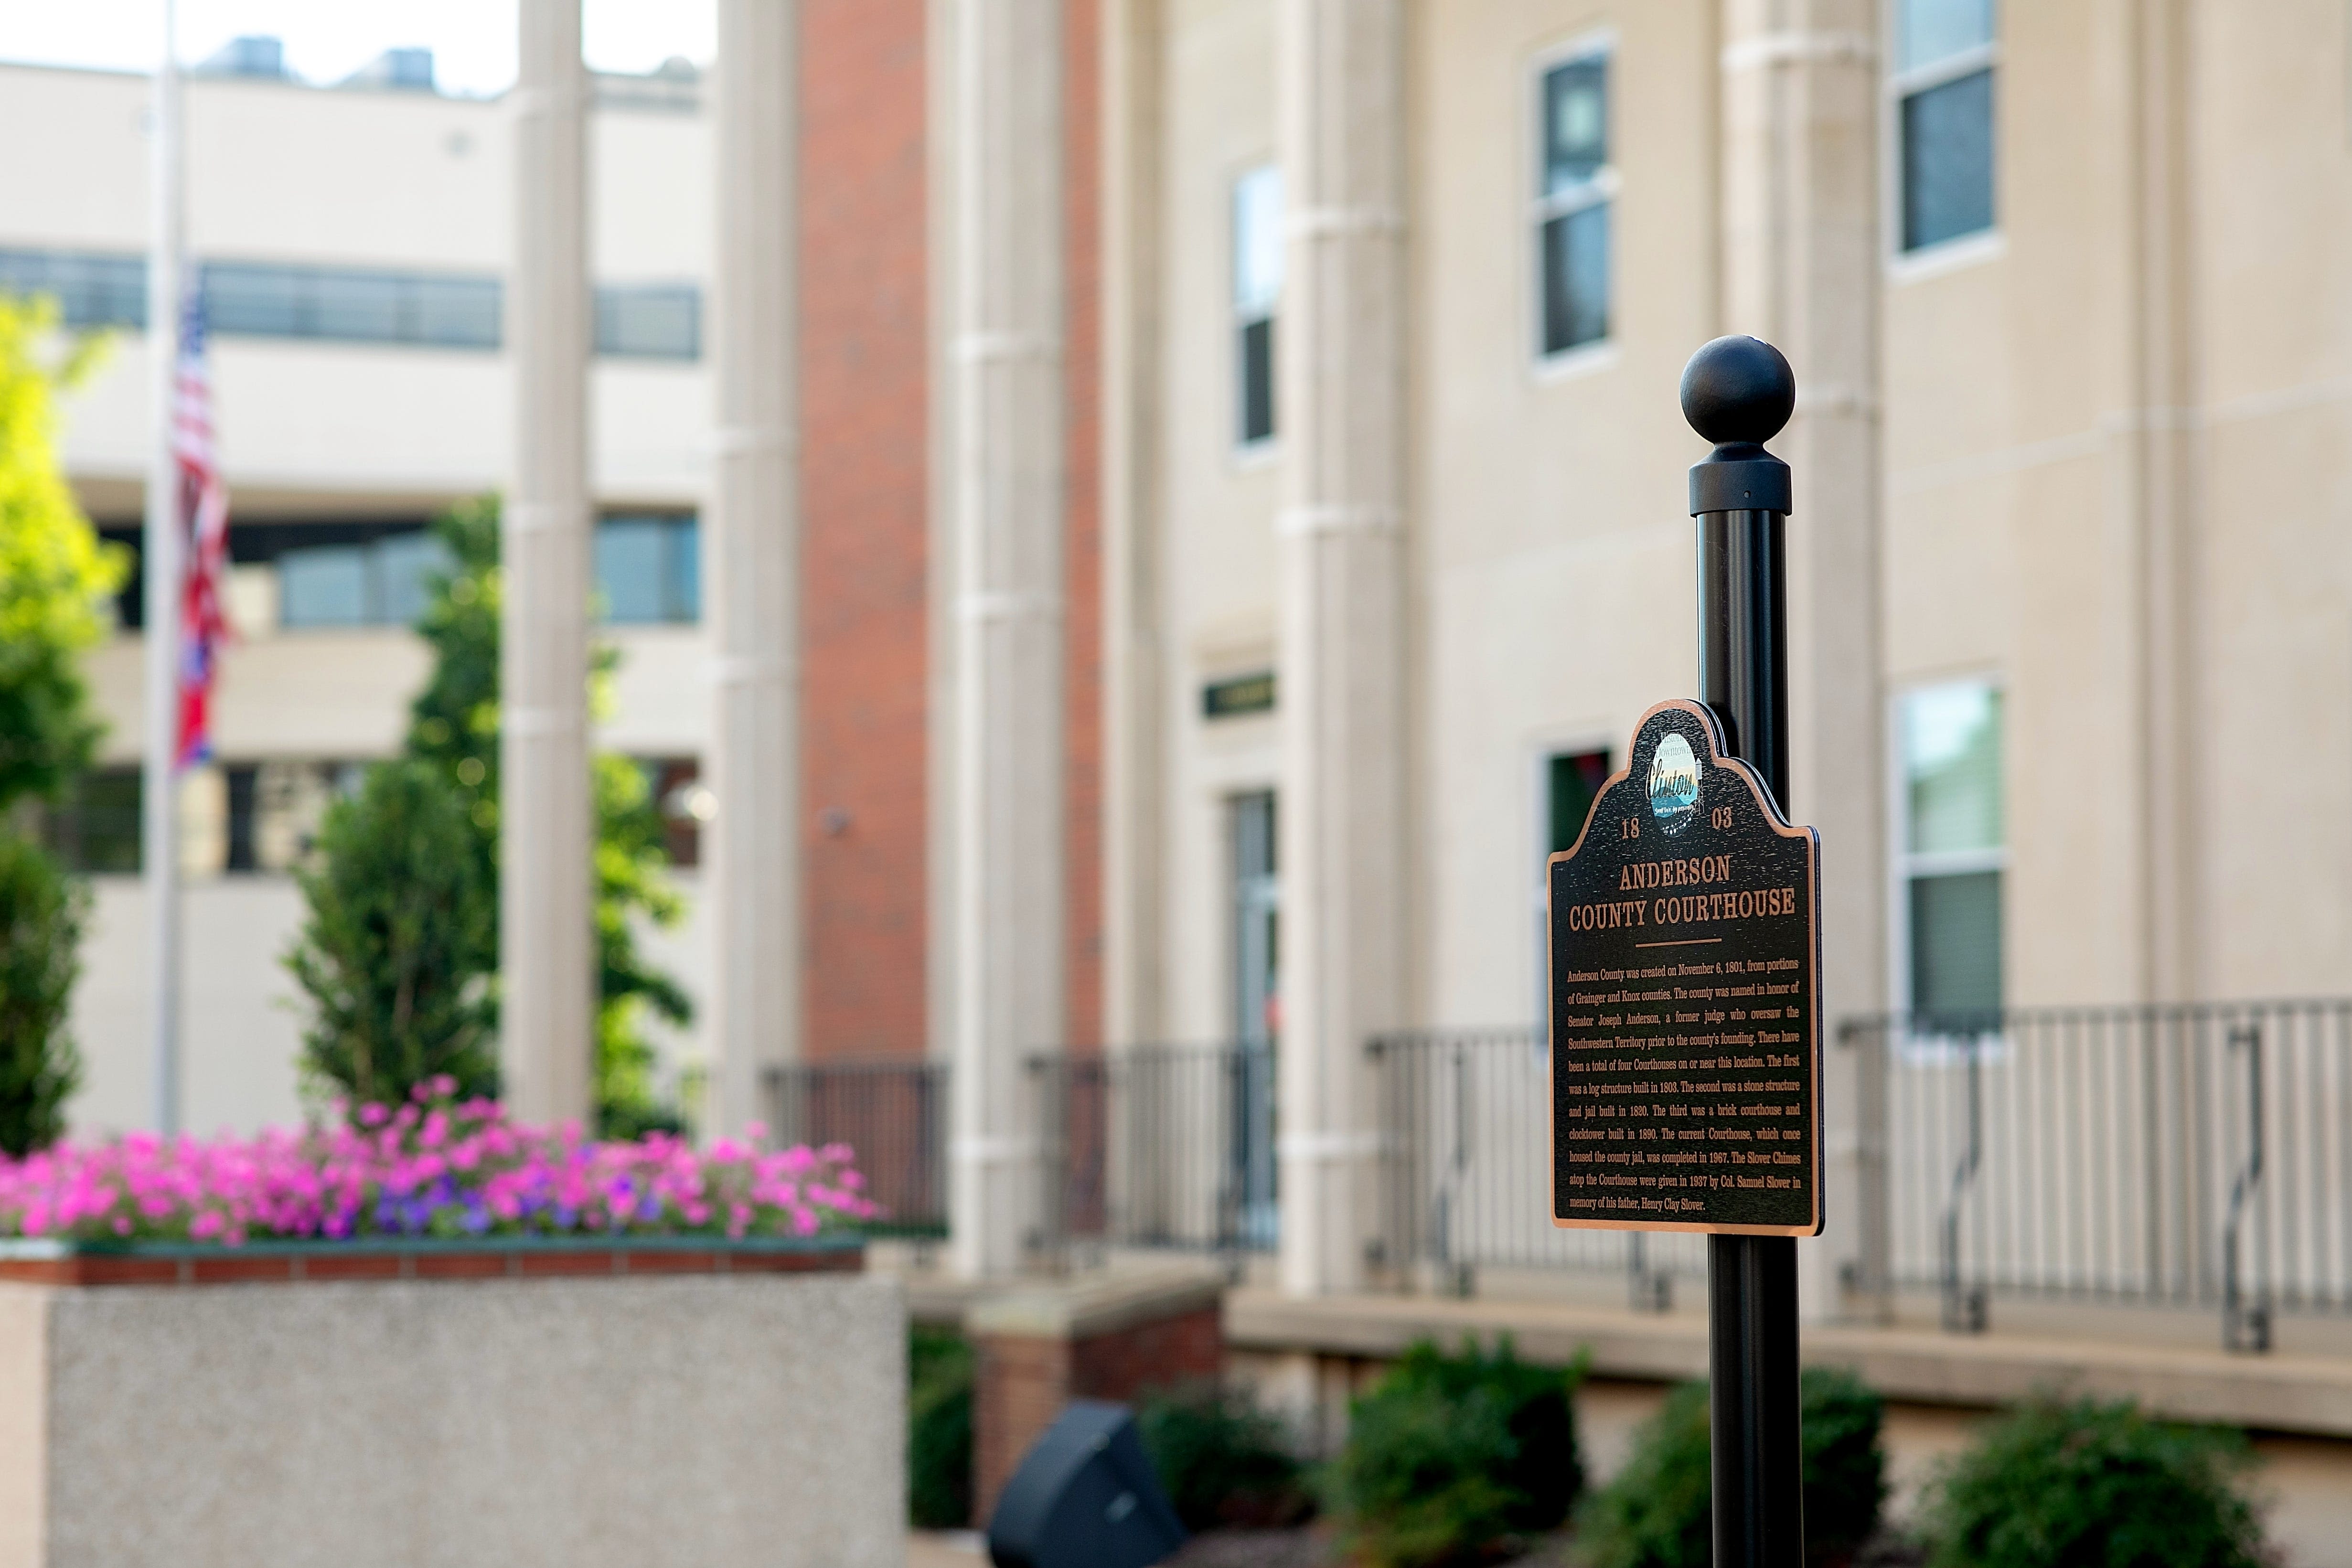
point(1845, 1463)
point(2096, 1484)
point(1656, 1513)
point(939, 1429)
point(1449, 1456)
point(1223, 1460)
point(41, 919)
point(397, 951)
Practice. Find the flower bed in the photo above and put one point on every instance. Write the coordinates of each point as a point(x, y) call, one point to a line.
point(433, 1178)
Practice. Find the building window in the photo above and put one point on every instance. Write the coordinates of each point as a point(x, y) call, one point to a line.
point(352, 306)
point(1251, 1174)
point(1951, 849)
point(91, 289)
point(649, 321)
point(649, 571)
point(274, 810)
point(684, 802)
point(1575, 194)
point(1257, 291)
point(1571, 781)
point(1942, 90)
point(1574, 781)
point(381, 581)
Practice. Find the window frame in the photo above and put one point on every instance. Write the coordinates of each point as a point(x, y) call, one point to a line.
point(1541, 207)
point(1247, 450)
point(1905, 864)
point(1896, 86)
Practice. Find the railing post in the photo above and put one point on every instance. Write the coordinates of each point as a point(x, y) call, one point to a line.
point(1872, 1275)
point(2246, 1327)
point(1965, 1308)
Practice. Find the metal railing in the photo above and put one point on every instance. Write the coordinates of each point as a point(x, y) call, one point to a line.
point(894, 1114)
point(1157, 1145)
point(1465, 1142)
point(2194, 1156)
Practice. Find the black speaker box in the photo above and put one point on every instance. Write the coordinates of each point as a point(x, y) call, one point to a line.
point(1085, 1497)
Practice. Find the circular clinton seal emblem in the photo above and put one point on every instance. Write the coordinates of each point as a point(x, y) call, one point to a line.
point(1673, 784)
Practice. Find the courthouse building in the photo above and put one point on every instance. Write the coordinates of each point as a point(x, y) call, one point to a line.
point(1227, 468)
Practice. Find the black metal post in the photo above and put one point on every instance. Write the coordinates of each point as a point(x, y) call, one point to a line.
point(1738, 392)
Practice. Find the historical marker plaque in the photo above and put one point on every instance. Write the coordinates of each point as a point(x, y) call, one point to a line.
point(1685, 997)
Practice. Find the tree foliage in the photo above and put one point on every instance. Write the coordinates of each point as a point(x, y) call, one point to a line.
point(41, 918)
point(397, 948)
point(453, 732)
point(55, 576)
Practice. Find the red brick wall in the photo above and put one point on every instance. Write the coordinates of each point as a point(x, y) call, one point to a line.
point(1020, 1383)
point(1082, 621)
point(863, 293)
point(1118, 1366)
point(1024, 1380)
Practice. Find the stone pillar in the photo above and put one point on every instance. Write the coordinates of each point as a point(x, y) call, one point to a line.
point(2151, 453)
point(754, 577)
point(1340, 80)
point(1802, 256)
point(1006, 823)
point(547, 1029)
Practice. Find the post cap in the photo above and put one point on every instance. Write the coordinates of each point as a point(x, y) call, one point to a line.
point(1738, 392)
point(1738, 388)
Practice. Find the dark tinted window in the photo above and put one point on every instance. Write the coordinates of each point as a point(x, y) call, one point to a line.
point(1947, 161)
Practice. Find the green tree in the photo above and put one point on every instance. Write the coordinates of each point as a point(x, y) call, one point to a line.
point(398, 946)
point(55, 577)
point(453, 727)
point(41, 918)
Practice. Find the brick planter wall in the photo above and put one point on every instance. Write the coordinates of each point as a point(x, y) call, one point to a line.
point(1039, 1347)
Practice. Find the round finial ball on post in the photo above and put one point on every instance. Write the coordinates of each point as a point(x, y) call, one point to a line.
point(1738, 390)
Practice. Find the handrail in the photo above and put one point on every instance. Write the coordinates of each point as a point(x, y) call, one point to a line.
point(2245, 1327)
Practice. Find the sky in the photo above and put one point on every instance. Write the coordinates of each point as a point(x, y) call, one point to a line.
point(473, 41)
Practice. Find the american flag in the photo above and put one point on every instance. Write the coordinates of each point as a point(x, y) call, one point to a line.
point(204, 513)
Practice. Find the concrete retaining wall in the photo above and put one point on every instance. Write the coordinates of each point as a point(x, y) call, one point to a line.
point(712, 1420)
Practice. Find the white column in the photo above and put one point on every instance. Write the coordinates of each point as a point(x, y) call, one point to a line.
point(1005, 351)
point(1801, 254)
point(754, 535)
point(2153, 458)
point(547, 1027)
point(1340, 354)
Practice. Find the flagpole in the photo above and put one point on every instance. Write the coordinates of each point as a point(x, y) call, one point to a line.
point(159, 799)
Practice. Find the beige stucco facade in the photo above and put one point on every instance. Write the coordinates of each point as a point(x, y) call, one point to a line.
point(2111, 473)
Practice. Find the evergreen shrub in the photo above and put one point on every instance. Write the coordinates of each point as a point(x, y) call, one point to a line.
point(1657, 1512)
point(1223, 1460)
point(397, 947)
point(939, 1429)
point(2096, 1484)
point(1449, 1457)
point(41, 919)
